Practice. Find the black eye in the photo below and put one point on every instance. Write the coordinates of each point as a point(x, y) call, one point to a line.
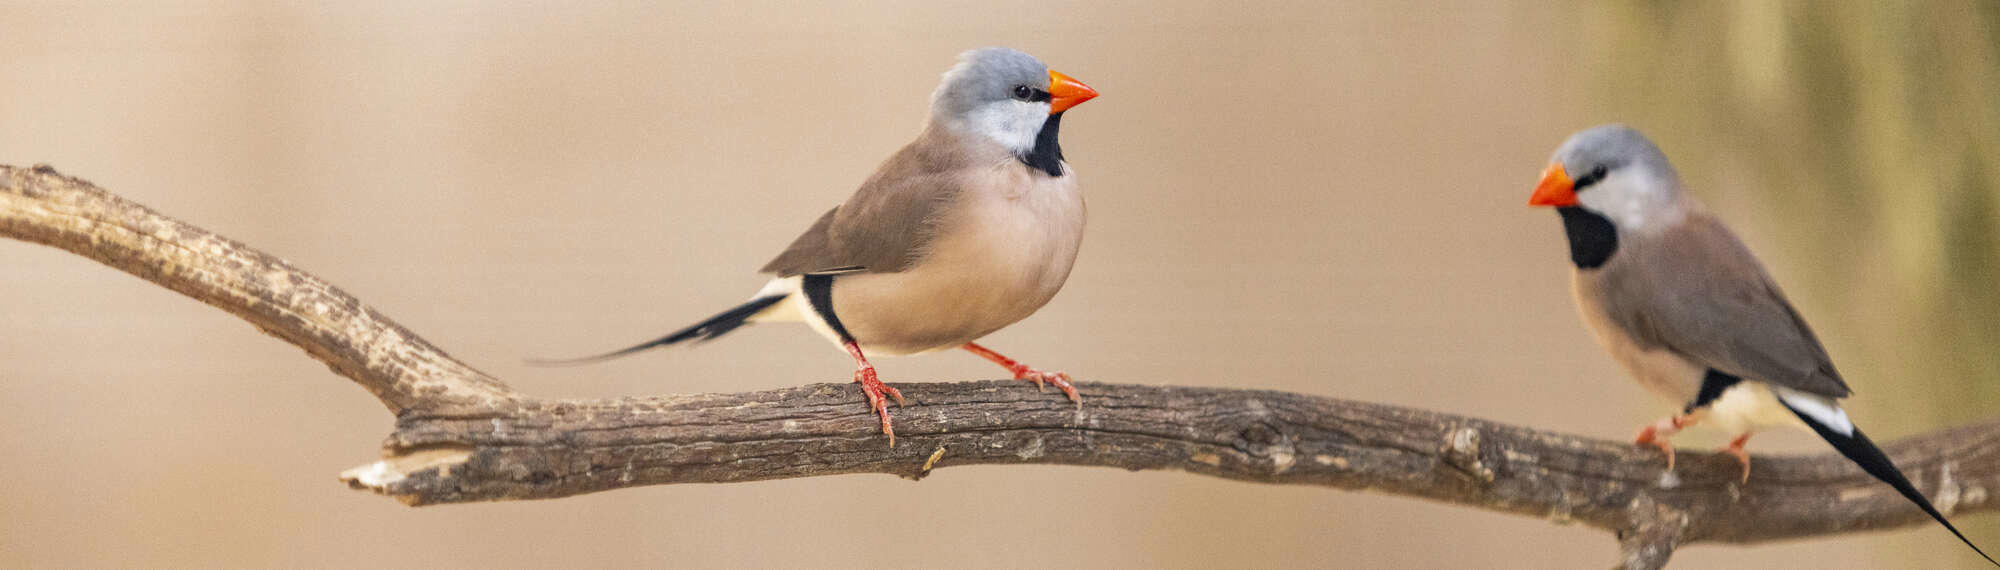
point(1592, 177)
point(1023, 92)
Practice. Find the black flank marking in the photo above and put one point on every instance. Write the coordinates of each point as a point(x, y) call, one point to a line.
point(819, 292)
point(715, 326)
point(1712, 386)
point(1862, 452)
point(1047, 154)
point(1592, 238)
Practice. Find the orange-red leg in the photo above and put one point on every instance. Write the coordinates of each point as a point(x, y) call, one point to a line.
point(878, 393)
point(1023, 372)
point(1656, 435)
point(1735, 449)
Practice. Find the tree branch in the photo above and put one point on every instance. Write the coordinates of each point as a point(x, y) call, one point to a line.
point(462, 436)
point(42, 206)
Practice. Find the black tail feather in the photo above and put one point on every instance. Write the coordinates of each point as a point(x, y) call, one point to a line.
point(1863, 452)
point(715, 326)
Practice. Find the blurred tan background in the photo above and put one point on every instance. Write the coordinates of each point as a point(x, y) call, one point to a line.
point(1297, 196)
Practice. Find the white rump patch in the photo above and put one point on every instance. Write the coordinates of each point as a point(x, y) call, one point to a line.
point(779, 286)
point(1821, 409)
point(786, 311)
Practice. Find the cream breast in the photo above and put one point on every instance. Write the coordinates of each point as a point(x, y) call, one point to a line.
point(1005, 251)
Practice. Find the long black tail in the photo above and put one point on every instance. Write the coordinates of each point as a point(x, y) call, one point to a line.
point(715, 326)
point(1871, 459)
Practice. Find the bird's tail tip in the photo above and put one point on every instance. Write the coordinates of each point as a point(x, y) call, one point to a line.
point(715, 326)
point(1832, 425)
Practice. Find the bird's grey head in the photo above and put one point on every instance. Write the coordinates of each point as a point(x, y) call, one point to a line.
point(1003, 94)
point(1615, 172)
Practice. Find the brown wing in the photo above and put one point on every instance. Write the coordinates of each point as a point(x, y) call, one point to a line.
point(1696, 290)
point(885, 226)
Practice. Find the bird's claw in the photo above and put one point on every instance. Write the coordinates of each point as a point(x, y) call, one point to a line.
point(1043, 379)
point(1023, 372)
point(879, 395)
point(1735, 449)
point(1650, 436)
point(1656, 433)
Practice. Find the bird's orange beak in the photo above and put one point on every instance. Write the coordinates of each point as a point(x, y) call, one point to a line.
point(1556, 188)
point(1066, 92)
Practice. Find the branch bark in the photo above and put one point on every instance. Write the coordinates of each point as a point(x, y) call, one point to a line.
point(461, 435)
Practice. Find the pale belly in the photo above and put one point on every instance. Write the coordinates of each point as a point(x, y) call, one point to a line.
point(1006, 256)
point(1746, 407)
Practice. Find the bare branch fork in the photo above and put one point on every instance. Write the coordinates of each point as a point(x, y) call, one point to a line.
point(462, 435)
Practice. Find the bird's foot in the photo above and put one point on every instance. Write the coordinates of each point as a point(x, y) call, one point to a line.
point(1656, 434)
point(878, 398)
point(1023, 372)
point(1647, 436)
point(1059, 379)
point(1735, 449)
point(878, 393)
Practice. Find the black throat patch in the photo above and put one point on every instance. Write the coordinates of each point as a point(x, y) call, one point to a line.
point(1047, 154)
point(1592, 238)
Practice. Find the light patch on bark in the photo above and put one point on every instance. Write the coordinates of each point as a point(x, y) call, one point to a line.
point(1863, 493)
point(378, 476)
point(1948, 493)
point(1462, 452)
point(1030, 451)
point(1668, 479)
point(1282, 460)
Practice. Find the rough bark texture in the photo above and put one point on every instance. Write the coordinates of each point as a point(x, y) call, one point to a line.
point(463, 436)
